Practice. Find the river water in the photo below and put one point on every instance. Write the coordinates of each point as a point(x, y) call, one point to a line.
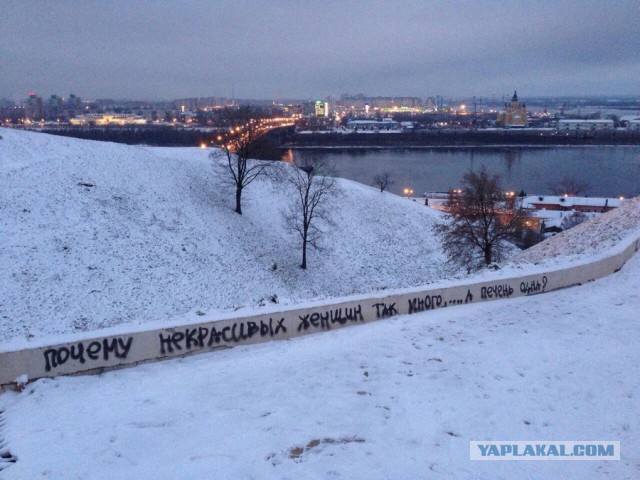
point(607, 171)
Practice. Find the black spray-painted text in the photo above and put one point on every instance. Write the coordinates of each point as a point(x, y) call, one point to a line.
point(95, 350)
point(325, 319)
point(200, 337)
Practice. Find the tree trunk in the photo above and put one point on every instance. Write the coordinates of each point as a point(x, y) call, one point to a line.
point(487, 255)
point(304, 252)
point(238, 200)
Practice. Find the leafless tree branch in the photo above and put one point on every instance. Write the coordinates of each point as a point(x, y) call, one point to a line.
point(480, 220)
point(236, 167)
point(383, 180)
point(315, 192)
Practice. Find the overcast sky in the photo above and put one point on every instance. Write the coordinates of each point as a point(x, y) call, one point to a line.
point(311, 49)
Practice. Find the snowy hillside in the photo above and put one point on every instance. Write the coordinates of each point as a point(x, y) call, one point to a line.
point(590, 238)
point(99, 234)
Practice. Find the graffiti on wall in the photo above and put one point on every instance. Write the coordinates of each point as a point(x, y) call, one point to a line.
point(534, 286)
point(385, 310)
point(325, 319)
point(183, 340)
point(95, 350)
point(204, 337)
point(431, 302)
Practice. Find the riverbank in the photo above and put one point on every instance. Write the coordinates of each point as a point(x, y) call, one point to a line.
point(461, 138)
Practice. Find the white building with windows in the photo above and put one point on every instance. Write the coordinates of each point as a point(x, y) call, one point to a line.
point(584, 125)
point(101, 119)
point(386, 125)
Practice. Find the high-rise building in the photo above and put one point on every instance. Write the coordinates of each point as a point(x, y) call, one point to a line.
point(54, 107)
point(34, 109)
point(322, 109)
point(73, 106)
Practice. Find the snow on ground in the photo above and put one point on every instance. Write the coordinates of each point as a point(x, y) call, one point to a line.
point(395, 399)
point(401, 398)
point(97, 234)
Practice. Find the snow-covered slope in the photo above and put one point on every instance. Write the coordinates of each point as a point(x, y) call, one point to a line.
point(98, 234)
point(590, 238)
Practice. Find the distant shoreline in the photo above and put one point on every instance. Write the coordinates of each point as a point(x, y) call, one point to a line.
point(524, 138)
point(434, 147)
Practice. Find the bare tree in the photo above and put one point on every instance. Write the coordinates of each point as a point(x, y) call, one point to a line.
point(480, 221)
point(314, 195)
point(568, 185)
point(576, 218)
point(383, 180)
point(240, 147)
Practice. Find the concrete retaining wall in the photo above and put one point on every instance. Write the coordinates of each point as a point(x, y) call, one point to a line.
point(96, 354)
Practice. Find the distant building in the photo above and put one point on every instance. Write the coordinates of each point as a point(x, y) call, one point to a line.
point(407, 126)
point(359, 102)
point(631, 122)
point(54, 107)
point(322, 109)
point(34, 108)
point(73, 106)
point(634, 124)
point(585, 125)
point(108, 119)
point(565, 204)
point(515, 114)
point(295, 109)
point(386, 124)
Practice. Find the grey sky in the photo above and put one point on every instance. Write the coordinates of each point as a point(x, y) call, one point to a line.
point(310, 49)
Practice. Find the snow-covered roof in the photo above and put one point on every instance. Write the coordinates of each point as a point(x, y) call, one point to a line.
point(589, 238)
point(532, 200)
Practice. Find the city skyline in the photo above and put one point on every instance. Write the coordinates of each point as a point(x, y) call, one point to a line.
point(262, 50)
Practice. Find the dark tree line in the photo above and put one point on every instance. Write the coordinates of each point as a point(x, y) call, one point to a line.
point(155, 136)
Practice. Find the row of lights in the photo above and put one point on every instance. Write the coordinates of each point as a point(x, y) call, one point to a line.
point(457, 191)
point(263, 125)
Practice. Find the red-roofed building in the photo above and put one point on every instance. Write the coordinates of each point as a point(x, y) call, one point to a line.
point(577, 204)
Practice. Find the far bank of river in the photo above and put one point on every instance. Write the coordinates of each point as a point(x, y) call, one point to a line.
point(456, 138)
point(609, 171)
